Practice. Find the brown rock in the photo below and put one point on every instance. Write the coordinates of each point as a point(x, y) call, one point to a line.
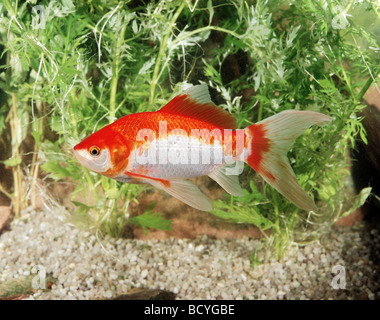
point(5, 215)
point(358, 215)
point(366, 165)
point(371, 123)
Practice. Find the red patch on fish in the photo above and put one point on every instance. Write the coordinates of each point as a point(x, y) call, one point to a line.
point(260, 145)
point(164, 182)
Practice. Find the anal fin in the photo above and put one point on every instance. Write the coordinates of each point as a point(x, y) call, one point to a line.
point(230, 183)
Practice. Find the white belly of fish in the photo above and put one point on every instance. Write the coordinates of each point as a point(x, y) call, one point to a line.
point(177, 157)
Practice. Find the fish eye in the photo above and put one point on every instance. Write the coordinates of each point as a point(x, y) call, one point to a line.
point(94, 151)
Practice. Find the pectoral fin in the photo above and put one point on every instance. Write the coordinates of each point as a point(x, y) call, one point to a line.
point(187, 192)
point(183, 190)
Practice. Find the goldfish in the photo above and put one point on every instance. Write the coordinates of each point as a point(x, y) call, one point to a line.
point(190, 137)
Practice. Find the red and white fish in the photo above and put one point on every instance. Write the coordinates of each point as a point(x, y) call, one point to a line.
point(191, 137)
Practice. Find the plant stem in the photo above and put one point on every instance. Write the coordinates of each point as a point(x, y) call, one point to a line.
point(2, 190)
point(207, 28)
point(347, 80)
point(16, 170)
point(214, 28)
point(91, 185)
point(364, 89)
point(260, 112)
point(12, 12)
point(35, 166)
point(115, 77)
point(161, 53)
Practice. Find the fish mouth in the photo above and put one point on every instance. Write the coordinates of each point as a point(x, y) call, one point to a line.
point(81, 156)
point(99, 164)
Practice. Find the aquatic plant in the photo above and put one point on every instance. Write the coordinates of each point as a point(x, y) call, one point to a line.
point(69, 68)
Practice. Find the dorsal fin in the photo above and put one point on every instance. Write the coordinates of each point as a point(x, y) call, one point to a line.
point(196, 103)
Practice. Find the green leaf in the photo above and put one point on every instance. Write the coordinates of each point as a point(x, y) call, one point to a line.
point(210, 9)
point(58, 172)
point(363, 134)
point(359, 200)
point(151, 220)
point(12, 162)
point(241, 214)
point(2, 124)
point(56, 124)
point(326, 84)
point(82, 206)
point(112, 193)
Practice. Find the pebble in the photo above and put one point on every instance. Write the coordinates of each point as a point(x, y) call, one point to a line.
point(144, 273)
point(86, 267)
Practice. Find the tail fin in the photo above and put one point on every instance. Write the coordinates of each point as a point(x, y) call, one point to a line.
point(268, 144)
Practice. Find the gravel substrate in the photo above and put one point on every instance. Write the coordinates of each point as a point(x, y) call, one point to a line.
point(204, 268)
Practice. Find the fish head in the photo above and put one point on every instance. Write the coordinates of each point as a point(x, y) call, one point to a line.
point(105, 152)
